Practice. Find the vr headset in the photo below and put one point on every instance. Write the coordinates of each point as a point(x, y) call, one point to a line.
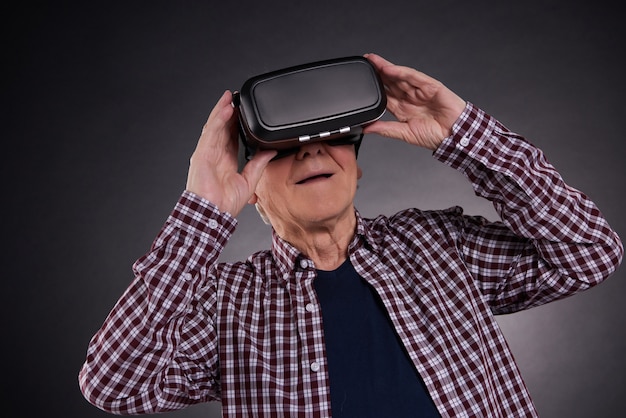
point(328, 100)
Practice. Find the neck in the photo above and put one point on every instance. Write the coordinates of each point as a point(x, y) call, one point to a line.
point(326, 243)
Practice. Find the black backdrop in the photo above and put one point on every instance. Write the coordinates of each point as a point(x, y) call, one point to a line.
point(104, 101)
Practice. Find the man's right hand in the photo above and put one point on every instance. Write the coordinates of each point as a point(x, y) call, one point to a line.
point(213, 166)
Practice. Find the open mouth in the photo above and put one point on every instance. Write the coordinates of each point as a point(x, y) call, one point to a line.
point(313, 178)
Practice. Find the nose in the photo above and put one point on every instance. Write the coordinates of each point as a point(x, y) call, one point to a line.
point(309, 150)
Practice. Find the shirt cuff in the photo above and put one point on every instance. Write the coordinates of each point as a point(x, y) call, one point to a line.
point(470, 132)
point(200, 217)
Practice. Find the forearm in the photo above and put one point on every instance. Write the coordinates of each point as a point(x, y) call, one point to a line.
point(138, 361)
point(574, 243)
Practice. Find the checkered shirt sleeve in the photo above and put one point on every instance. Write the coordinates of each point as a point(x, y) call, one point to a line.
point(157, 349)
point(556, 241)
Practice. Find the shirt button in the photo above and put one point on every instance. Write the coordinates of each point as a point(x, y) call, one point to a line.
point(212, 224)
point(465, 141)
point(310, 307)
point(315, 366)
point(304, 264)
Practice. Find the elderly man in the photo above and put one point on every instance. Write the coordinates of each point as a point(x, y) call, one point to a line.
point(346, 316)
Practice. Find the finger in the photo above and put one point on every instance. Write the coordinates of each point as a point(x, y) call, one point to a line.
point(216, 113)
point(387, 69)
point(402, 82)
point(406, 81)
point(401, 105)
point(218, 125)
point(378, 61)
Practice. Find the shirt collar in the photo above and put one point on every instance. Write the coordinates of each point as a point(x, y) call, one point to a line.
point(289, 259)
point(366, 235)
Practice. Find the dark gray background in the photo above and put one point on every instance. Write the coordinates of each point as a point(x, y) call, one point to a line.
point(104, 101)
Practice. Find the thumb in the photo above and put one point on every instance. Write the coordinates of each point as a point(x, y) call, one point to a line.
point(389, 129)
point(253, 170)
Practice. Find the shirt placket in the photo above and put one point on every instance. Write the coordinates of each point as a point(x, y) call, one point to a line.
point(313, 364)
point(427, 362)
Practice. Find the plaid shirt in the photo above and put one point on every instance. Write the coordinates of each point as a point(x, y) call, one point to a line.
point(189, 329)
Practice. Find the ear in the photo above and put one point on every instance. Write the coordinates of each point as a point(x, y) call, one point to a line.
point(359, 172)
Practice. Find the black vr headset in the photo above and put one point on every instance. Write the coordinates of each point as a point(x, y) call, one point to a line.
point(322, 101)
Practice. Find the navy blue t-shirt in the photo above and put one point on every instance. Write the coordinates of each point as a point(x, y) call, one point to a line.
point(370, 373)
